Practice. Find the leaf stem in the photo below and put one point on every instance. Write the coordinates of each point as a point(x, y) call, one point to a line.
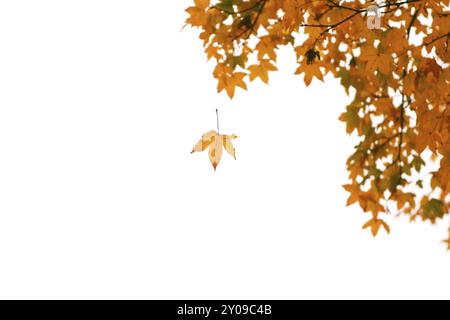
point(217, 118)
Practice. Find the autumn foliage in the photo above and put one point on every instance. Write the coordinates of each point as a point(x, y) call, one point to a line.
point(397, 74)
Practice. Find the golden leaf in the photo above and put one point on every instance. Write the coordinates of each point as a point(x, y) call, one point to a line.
point(216, 143)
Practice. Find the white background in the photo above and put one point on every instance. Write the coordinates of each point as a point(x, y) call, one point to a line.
point(101, 103)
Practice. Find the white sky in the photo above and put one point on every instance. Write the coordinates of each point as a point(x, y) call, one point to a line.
point(101, 103)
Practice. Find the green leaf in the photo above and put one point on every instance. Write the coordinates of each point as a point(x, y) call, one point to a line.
point(351, 117)
point(225, 5)
point(235, 61)
point(394, 181)
point(418, 163)
point(434, 208)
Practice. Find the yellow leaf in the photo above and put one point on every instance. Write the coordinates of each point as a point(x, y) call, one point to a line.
point(229, 82)
point(202, 4)
point(215, 150)
point(216, 143)
point(204, 142)
point(228, 145)
point(261, 71)
point(375, 225)
point(310, 71)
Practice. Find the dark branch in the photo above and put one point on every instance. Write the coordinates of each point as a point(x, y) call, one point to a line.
point(262, 4)
point(413, 20)
point(437, 39)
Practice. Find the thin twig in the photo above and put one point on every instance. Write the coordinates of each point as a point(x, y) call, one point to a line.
point(438, 38)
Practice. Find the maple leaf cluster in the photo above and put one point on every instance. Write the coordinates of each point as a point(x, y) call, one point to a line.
point(398, 76)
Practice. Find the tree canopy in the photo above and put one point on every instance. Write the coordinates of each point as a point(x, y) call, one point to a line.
point(392, 58)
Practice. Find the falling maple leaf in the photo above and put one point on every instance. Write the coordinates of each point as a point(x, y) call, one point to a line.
point(216, 143)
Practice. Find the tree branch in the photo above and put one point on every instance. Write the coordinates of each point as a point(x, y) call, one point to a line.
point(262, 4)
point(356, 12)
point(413, 20)
point(437, 39)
